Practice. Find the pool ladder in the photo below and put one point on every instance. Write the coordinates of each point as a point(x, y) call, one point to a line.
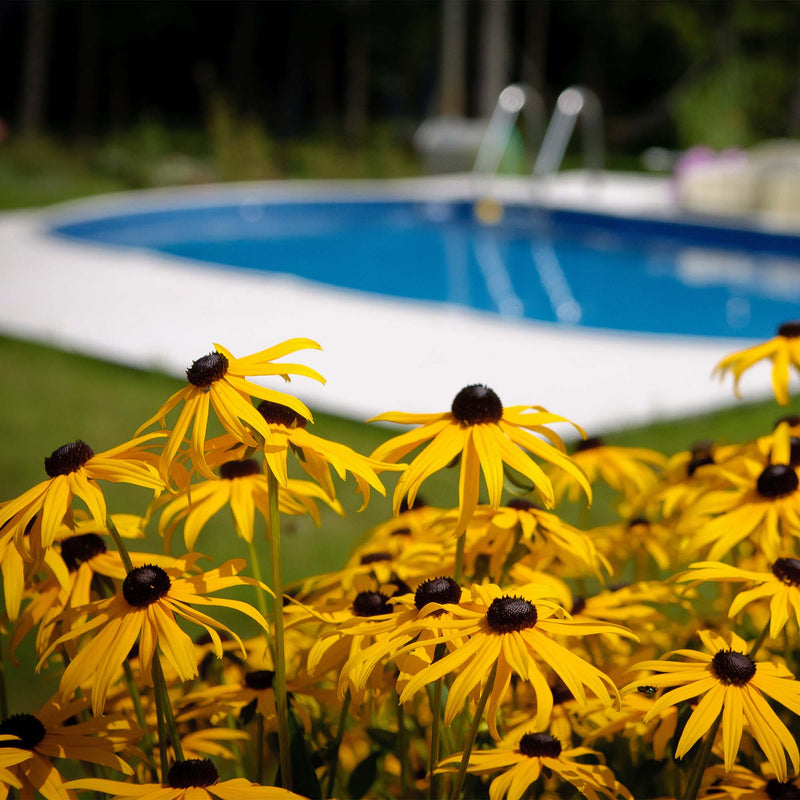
point(574, 103)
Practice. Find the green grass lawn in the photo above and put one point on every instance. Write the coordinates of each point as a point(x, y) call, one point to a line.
point(51, 397)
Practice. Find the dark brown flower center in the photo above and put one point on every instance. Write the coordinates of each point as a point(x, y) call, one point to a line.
point(207, 370)
point(589, 444)
point(370, 604)
point(259, 679)
point(578, 606)
point(698, 461)
point(418, 503)
point(437, 590)
point(145, 585)
point(702, 453)
point(507, 614)
point(794, 451)
point(790, 330)
point(521, 504)
point(239, 469)
point(27, 727)
point(732, 667)
point(561, 694)
point(194, 772)
point(787, 570)
point(68, 458)
point(477, 404)
point(778, 790)
point(79, 549)
point(777, 480)
point(374, 558)
point(540, 745)
point(793, 420)
point(277, 414)
point(639, 521)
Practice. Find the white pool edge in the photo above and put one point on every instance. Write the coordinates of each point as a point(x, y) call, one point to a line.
point(152, 311)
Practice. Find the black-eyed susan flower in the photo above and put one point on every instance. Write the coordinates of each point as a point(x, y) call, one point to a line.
point(781, 585)
point(607, 723)
point(521, 527)
point(191, 779)
point(349, 623)
point(635, 540)
point(10, 758)
point(763, 507)
point(74, 470)
point(84, 557)
point(628, 470)
point(514, 631)
point(30, 742)
point(729, 683)
point(144, 611)
point(784, 352)
point(415, 617)
point(287, 431)
point(741, 783)
point(243, 487)
point(485, 436)
point(218, 381)
point(521, 758)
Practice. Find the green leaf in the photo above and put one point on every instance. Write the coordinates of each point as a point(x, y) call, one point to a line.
point(247, 713)
point(304, 777)
point(386, 740)
point(363, 776)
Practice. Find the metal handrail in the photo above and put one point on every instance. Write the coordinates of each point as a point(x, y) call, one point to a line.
point(515, 98)
point(572, 103)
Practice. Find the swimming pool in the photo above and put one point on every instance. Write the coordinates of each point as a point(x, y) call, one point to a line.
point(578, 269)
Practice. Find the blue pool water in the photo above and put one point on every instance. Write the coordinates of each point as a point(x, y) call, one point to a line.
point(572, 268)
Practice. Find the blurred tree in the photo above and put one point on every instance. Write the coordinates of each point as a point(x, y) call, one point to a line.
point(495, 55)
point(84, 113)
point(534, 53)
point(453, 63)
point(357, 60)
point(33, 92)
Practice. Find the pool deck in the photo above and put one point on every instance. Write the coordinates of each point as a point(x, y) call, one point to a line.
point(153, 311)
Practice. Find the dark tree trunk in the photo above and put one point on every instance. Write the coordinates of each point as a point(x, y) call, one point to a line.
point(323, 78)
point(534, 57)
point(36, 67)
point(243, 55)
point(293, 83)
point(453, 64)
point(495, 54)
point(85, 111)
point(357, 78)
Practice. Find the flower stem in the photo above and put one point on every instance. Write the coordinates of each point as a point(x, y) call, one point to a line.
point(402, 749)
point(337, 743)
point(436, 722)
point(761, 639)
point(458, 785)
point(255, 566)
point(141, 720)
point(165, 715)
point(3, 693)
point(279, 684)
point(702, 760)
point(123, 550)
point(259, 748)
point(459, 565)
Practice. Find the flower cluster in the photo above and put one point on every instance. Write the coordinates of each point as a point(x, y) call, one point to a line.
point(481, 646)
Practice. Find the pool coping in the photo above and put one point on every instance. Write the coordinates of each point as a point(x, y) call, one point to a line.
point(153, 311)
